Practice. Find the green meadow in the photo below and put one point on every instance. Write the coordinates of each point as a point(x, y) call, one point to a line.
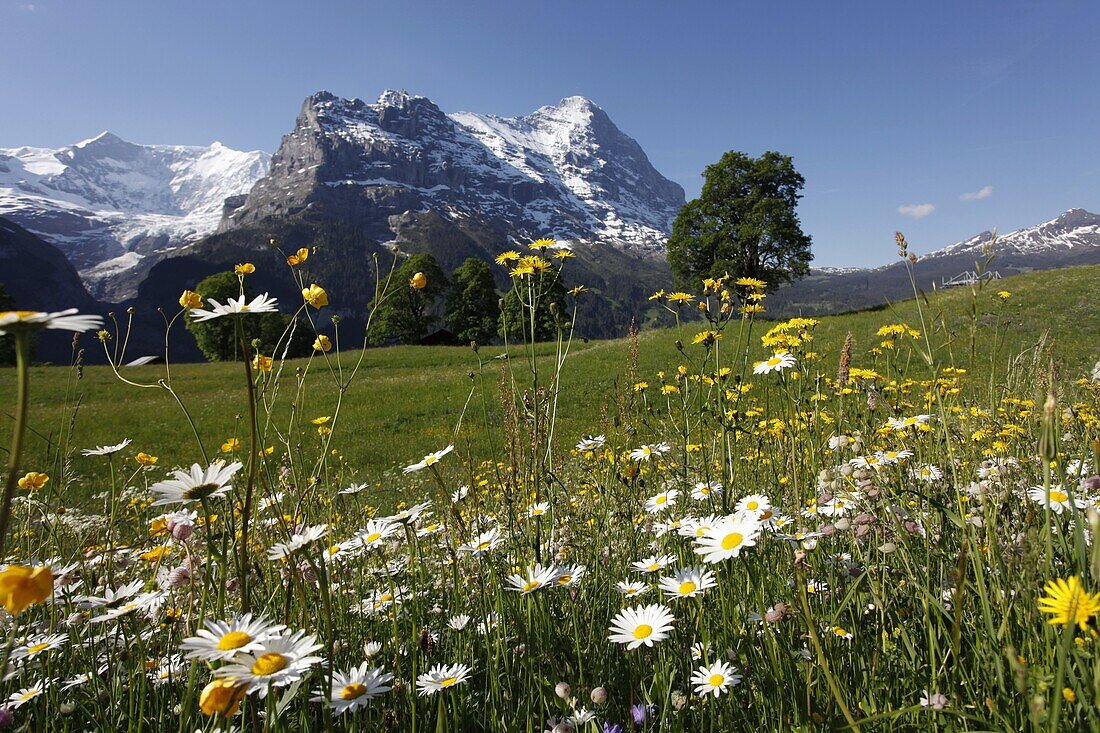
point(410, 400)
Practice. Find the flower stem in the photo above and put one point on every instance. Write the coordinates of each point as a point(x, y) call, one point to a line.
point(246, 510)
point(22, 367)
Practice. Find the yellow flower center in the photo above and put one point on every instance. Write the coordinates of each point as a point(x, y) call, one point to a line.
point(774, 361)
point(386, 597)
point(754, 505)
point(448, 681)
point(483, 545)
point(662, 499)
point(233, 640)
point(642, 631)
point(1058, 496)
point(653, 566)
point(430, 460)
point(269, 664)
point(565, 579)
point(354, 690)
point(732, 540)
point(716, 680)
point(839, 631)
point(530, 585)
point(687, 587)
point(37, 648)
point(374, 536)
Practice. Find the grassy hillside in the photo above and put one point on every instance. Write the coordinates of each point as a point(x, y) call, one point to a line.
point(407, 401)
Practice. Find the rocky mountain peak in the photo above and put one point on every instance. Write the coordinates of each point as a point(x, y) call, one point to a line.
point(564, 170)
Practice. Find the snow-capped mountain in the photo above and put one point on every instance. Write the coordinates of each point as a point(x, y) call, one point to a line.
point(113, 206)
point(1071, 239)
point(1073, 230)
point(564, 171)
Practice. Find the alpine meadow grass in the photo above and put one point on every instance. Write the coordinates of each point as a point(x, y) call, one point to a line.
point(872, 522)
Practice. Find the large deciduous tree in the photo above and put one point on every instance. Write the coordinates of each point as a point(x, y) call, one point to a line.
point(744, 223)
point(473, 306)
point(407, 307)
point(218, 339)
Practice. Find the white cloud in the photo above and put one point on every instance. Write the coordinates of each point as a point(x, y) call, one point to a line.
point(917, 211)
point(984, 193)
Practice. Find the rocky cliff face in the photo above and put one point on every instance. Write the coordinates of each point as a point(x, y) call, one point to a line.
point(564, 171)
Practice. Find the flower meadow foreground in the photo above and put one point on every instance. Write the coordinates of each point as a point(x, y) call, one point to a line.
point(754, 538)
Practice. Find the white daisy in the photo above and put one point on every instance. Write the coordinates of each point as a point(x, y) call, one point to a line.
point(147, 602)
point(641, 625)
point(569, 575)
point(537, 577)
point(757, 504)
point(259, 304)
point(25, 695)
point(653, 564)
point(429, 460)
point(696, 526)
point(440, 677)
point(483, 543)
point(1058, 500)
point(927, 473)
point(281, 661)
point(705, 490)
point(647, 452)
point(459, 622)
point(105, 450)
point(631, 588)
point(355, 689)
point(36, 645)
point(688, 582)
point(662, 501)
point(726, 539)
point(591, 443)
point(66, 320)
point(298, 541)
point(223, 640)
point(376, 532)
point(197, 484)
point(715, 679)
point(778, 362)
point(537, 510)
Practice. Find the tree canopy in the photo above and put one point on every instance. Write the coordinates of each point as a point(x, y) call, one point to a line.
point(407, 308)
point(217, 338)
point(473, 306)
point(744, 223)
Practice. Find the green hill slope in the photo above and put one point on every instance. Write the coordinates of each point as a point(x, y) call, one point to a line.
point(408, 400)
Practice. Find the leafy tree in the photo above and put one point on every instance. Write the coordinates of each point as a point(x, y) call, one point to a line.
point(744, 223)
point(473, 306)
point(217, 338)
point(549, 296)
point(407, 311)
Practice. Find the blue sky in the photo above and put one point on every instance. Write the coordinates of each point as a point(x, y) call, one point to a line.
point(893, 112)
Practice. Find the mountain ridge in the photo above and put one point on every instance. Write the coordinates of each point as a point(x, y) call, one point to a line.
point(110, 204)
point(564, 171)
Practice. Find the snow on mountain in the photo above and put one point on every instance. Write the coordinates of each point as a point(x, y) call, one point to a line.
point(564, 171)
point(1075, 231)
point(110, 204)
point(1072, 230)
